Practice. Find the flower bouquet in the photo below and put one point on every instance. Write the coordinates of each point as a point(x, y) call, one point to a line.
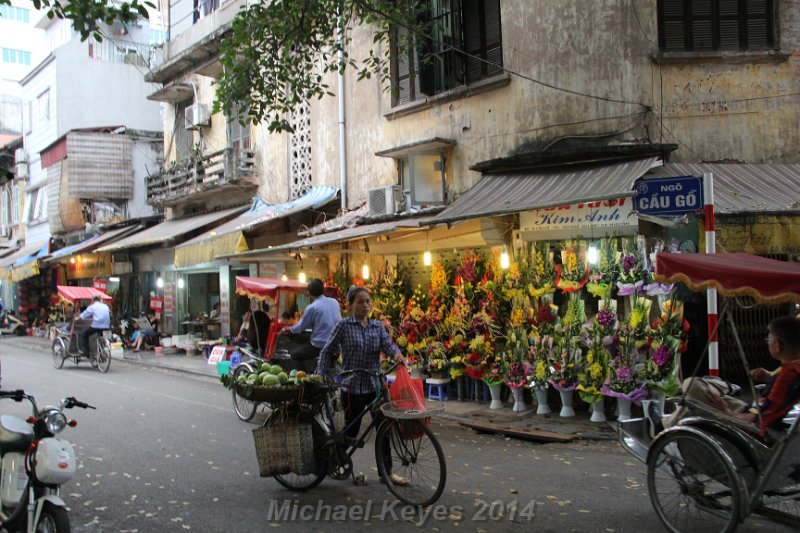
point(436, 360)
point(565, 361)
point(540, 360)
point(603, 273)
point(514, 358)
point(637, 322)
point(572, 273)
point(594, 371)
point(542, 274)
point(632, 272)
point(623, 379)
point(668, 335)
point(475, 358)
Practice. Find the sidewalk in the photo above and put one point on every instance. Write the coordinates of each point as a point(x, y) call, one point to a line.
point(466, 412)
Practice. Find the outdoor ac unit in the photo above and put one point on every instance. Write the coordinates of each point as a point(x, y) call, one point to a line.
point(22, 171)
point(385, 200)
point(20, 156)
point(5, 231)
point(197, 115)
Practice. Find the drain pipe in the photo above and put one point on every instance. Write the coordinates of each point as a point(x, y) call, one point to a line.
point(342, 129)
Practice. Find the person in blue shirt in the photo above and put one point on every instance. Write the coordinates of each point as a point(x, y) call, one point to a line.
point(361, 340)
point(101, 321)
point(320, 316)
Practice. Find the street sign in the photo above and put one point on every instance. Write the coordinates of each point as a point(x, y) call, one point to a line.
point(668, 196)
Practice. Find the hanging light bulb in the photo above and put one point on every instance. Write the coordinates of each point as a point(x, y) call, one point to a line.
point(505, 261)
point(181, 283)
point(284, 277)
point(71, 260)
point(365, 271)
point(426, 258)
point(160, 283)
point(302, 277)
point(592, 255)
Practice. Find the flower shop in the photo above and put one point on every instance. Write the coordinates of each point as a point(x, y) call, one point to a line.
point(549, 320)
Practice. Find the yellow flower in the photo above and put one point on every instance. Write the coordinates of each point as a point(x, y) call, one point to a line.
point(541, 371)
point(596, 371)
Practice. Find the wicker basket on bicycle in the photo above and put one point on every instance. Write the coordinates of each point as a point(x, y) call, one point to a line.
point(307, 393)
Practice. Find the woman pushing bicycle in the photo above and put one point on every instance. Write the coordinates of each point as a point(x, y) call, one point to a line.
point(361, 341)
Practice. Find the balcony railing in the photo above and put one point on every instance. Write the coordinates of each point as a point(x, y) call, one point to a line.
point(193, 177)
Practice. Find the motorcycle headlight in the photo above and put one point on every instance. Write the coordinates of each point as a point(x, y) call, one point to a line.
point(56, 422)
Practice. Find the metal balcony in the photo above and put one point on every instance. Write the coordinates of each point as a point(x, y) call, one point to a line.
point(228, 172)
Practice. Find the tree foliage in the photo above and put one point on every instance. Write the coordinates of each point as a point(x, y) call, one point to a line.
point(86, 15)
point(280, 52)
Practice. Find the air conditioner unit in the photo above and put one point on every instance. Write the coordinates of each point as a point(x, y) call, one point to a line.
point(385, 200)
point(20, 156)
point(5, 231)
point(197, 115)
point(22, 171)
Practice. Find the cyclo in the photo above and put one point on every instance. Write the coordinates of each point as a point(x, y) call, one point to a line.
point(710, 471)
point(65, 345)
point(303, 441)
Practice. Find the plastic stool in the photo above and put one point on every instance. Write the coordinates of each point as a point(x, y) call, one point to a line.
point(438, 388)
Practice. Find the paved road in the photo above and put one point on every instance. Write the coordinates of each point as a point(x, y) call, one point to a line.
point(164, 452)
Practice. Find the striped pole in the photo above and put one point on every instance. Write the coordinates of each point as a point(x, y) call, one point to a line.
point(711, 294)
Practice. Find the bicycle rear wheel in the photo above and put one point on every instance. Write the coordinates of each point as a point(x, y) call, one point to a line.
point(245, 409)
point(414, 454)
point(300, 482)
point(103, 356)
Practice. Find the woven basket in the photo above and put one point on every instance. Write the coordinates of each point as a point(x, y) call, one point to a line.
point(285, 447)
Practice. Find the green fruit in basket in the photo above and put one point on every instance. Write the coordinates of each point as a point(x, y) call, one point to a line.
point(265, 367)
point(276, 369)
point(293, 373)
point(263, 376)
point(270, 380)
point(283, 377)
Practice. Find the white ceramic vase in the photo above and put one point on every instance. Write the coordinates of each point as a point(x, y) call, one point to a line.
point(495, 391)
point(624, 408)
point(598, 411)
point(519, 399)
point(566, 403)
point(541, 399)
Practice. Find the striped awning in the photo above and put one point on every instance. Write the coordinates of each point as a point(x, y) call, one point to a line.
point(503, 194)
point(171, 229)
point(228, 239)
point(89, 244)
point(744, 188)
point(24, 263)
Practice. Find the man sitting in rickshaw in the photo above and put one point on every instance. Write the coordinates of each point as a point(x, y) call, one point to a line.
point(101, 321)
point(783, 386)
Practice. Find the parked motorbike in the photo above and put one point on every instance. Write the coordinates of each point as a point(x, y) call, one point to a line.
point(34, 465)
point(11, 325)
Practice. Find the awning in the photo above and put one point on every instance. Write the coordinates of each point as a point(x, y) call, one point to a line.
point(90, 244)
point(171, 229)
point(23, 263)
point(742, 188)
point(734, 274)
point(265, 288)
point(28, 250)
point(228, 238)
point(72, 294)
point(502, 194)
point(347, 234)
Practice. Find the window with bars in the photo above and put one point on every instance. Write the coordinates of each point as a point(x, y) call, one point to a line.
point(238, 134)
point(462, 44)
point(716, 25)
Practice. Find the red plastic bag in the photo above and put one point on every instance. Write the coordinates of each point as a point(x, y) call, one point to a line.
point(406, 393)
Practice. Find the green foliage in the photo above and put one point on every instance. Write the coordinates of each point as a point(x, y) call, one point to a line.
point(279, 53)
point(86, 15)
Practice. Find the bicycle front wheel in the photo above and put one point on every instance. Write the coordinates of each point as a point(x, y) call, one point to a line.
point(103, 356)
point(245, 409)
point(409, 449)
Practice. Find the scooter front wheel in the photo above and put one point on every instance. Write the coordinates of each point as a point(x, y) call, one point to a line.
point(59, 353)
point(54, 519)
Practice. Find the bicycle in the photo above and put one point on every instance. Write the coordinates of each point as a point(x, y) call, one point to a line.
point(414, 452)
point(65, 346)
point(245, 408)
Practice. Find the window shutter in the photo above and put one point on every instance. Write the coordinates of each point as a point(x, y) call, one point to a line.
point(483, 41)
point(702, 25)
point(426, 47)
point(729, 25)
point(673, 19)
point(403, 72)
point(758, 24)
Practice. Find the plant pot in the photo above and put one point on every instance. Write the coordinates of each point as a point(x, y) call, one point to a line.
point(439, 374)
point(624, 408)
point(519, 400)
point(598, 411)
point(495, 391)
point(566, 404)
point(541, 398)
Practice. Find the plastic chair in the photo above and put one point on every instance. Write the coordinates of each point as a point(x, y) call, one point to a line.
point(438, 388)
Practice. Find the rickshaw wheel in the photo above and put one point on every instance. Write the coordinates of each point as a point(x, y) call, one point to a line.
point(59, 353)
point(781, 505)
point(692, 483)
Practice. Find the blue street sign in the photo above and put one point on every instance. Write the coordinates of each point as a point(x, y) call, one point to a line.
point(668, 196)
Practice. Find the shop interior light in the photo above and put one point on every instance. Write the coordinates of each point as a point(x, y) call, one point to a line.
point(181, 283)
point(592, 255)
point(505, 261)
point(71, 260)
point(365, 271)
point(113, 279)
point(285, 277)
point(426, 258)
point(302, 277)
point(160, 283)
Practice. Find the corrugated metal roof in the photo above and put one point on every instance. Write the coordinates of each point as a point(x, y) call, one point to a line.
point(500, 194)
point(347, 234)
point(170, 230)
point(90, 244)
point(745, 188)
point(28, 251)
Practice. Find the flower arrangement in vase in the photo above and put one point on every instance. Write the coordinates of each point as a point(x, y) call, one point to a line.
point(594, 371)
point(514, 358)
point(632, 273)
point(572, 272)
point(436, 361)
point(542, 274)
point(668, 334)
point(565, 359)
point(604, 271)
